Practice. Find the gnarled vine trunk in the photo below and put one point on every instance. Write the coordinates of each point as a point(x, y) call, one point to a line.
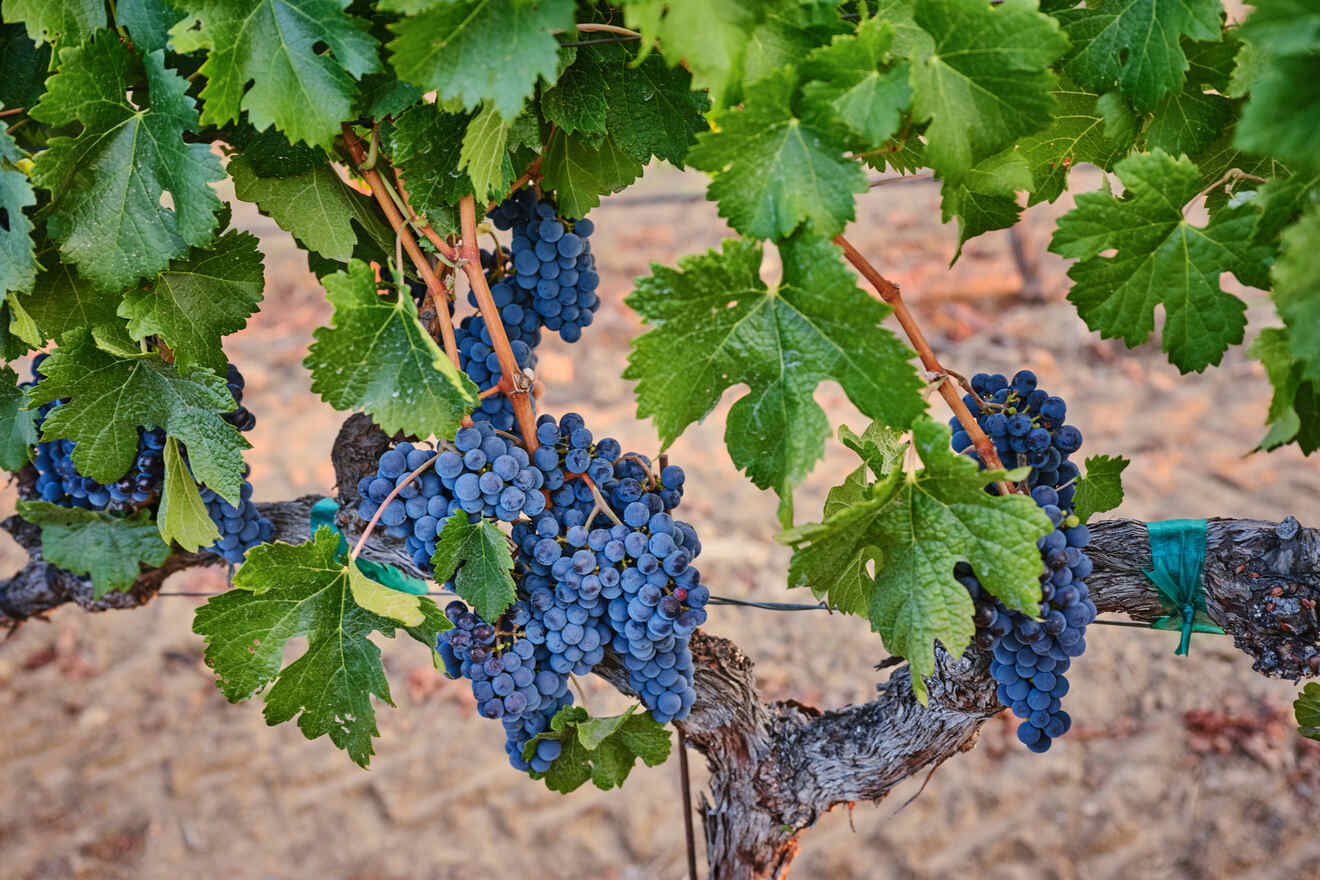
point(776, 766)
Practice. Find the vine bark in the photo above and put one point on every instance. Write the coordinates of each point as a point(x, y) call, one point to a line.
point(775, 766)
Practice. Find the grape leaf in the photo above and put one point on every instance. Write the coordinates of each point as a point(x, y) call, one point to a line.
point(880, 448)
point(108, 547)
point(282, 592)
point(199, 299)
point(269, 154)
point(482, 50)
point(1101, 488)
point(1081, 131)
point(577, 100)
point(1296, 278)
point(986, 197)
point(111, 396)
point(1136, 44)
point(1282, 114)
point(18, 264)
point(1306, 709)
point(715, 324)
point(148, 22)
point(425, 144)
point(18, 430)
point(773, 171)
point(108, 182)
point(262, 59)
point(1188, 121)
point(23, 67)
point(483, 155)
point(384, 94)
point(603, 750)
point(985, 82)
point(377, 357)
point(709, 36)
point(1294, 413)
point(580, 173)
point(913, 528)
point(61, 300)
point(852, 82)
point(316, 207)
point(1161, 258)
point(786, 34)
point(68, 22)
point(182, 517)
point(479, 553)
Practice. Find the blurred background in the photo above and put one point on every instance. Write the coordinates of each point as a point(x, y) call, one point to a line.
point(119, 758)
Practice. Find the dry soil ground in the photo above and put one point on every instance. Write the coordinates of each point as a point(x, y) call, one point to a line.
point(120, 759)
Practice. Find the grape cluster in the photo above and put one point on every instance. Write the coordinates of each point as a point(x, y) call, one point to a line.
point(551, 259)
point(511, 677)
point(477, 358)
point(1032, 656)
point(483, 475)
point(241, 528)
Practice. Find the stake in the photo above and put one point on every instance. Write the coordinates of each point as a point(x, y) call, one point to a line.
point(686, 785)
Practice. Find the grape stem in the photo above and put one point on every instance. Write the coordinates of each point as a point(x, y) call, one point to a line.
point(512, 381)
point(394, 493)
point(600, 502)
point(889, 292)
point(433, 286)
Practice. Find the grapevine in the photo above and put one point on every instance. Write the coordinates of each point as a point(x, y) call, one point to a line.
point(440, 166)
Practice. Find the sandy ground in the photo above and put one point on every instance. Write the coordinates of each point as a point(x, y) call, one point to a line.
point(120, 759)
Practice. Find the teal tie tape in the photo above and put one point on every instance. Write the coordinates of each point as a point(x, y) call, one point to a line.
point(323, 514)
point(1177, 549)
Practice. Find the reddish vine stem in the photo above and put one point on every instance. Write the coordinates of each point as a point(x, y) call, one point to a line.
point(434, 289)
point(889, 292)
point(12, 111)
point(512, 381)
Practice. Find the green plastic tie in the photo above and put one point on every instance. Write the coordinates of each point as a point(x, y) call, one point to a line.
point(323, 515)
point(1177, 549)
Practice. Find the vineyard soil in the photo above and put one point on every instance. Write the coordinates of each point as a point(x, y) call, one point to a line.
point(1175, 767)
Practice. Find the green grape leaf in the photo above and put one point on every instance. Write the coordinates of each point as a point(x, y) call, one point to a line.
point(715, 324)
point(1101, 488)
point(580, 173)
point(472, 51)
point(384, 94)
point(772, 171)
point(23, 67)
point(986, 197)
point(18, 262)
point(484, 157)
point(426, 144)
point(316, 207)
point(1294, 413)
point(107, 547)
point(650, 108)
point(108, 182)
point(1296, 278)
point(18, 428)
point(1160, 258)
point(1086, 128)
point(852, 82)
point(1282, 113)
point(262, 59)
point(1306, 709)
point(709, 36)
point(1188, 121)
point(577, 100)
point(182, 517)
point(111, 396)
point(377, 357)
point(283, 592)
point(985, 82)
point(1136, 45)
point(912, 528)
point(786, 34)
point(602, 750)
point(479, 553)
point(269, 154)
point(148, 22)
point(61, 300)
point(197, 300)
point(68, 22)
point(879, 447)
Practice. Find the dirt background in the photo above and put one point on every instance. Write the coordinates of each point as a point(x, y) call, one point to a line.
point(120, 759)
